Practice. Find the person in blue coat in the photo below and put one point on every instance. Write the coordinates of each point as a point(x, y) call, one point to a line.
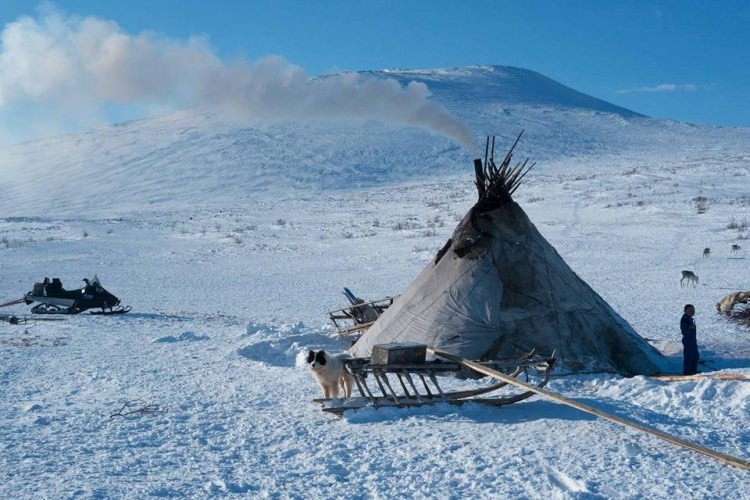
point(690, 353)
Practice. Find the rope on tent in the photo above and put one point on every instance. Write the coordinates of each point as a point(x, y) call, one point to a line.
point(734, 461)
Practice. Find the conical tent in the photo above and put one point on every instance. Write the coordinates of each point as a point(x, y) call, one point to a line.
point(498, 289)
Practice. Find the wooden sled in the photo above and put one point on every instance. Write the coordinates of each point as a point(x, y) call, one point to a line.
point(401, 383)
point(357, 318)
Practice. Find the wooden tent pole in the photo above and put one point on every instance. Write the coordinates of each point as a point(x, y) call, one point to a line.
point(736, 462)
point(486, 150)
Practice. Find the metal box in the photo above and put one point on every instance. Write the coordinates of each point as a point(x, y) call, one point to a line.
point(398, 354)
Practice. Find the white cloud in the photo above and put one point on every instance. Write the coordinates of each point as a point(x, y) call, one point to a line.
point(664, 87)
point(90, 60)
point(73, 65)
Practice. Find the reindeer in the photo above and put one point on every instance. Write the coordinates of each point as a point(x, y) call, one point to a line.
point(735, 248)
point(706, 252)
point(690, 277)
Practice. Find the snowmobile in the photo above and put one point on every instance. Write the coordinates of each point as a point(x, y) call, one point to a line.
point(54, 299)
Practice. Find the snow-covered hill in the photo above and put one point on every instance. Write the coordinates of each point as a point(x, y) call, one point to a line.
point(204, 157)
point(231, 242)
point(505, 85)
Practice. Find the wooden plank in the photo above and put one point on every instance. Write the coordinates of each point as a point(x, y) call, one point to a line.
point(734, 461)
point(13, 319)
point(353, 329)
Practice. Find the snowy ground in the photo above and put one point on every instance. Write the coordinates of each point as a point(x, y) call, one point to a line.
point(225, 298)
point(230, 244)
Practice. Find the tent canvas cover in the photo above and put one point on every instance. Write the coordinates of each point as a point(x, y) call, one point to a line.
point(499, 289)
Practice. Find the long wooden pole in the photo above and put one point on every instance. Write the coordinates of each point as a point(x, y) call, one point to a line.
point(698, 376)
point(734, 461)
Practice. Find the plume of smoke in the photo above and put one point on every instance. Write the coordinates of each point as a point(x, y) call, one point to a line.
point(72, 64)
point(272, 89)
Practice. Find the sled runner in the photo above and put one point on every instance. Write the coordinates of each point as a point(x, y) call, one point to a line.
point(52, 298)
point(398, 375)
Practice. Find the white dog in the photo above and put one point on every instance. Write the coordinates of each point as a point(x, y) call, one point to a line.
point(329, 371)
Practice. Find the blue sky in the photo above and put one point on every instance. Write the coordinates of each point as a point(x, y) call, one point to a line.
point(682, 59)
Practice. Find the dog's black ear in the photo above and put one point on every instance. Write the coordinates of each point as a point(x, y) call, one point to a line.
point(320, 357)
point(310, 356)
